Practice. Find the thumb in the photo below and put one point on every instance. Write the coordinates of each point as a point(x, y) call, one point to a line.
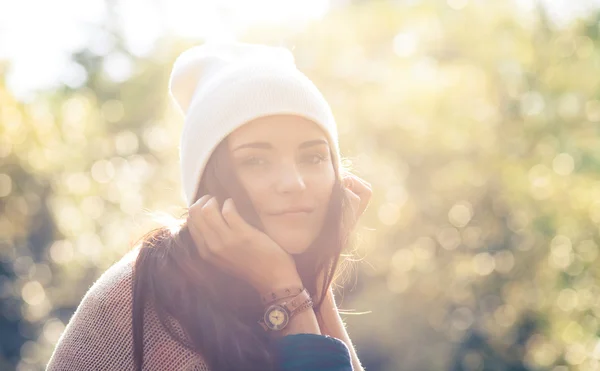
point(348, 181)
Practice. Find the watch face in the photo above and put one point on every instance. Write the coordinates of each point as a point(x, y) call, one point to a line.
point(276, 317)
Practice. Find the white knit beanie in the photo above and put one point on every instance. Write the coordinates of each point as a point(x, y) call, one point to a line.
point(221, 86)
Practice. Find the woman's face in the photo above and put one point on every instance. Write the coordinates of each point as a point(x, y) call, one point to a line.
point(284, 163)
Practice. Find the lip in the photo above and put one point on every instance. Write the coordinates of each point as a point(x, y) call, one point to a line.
point(296, 218)
point(295, 211)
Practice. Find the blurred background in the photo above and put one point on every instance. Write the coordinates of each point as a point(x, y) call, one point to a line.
point(476, 121)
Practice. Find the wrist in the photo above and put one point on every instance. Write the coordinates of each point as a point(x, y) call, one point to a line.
point(276, 282)
point(328, 310)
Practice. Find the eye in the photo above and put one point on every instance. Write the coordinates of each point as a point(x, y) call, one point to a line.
point(254, 161)
point(315, 158)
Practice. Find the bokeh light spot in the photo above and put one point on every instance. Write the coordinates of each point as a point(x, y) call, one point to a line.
point(405, 44)
point(113, 110)
point(567, 299)
point(449, 238)
point(389, 213)
point(103, 171)
point(53, 329)
point(460, 214)
point(563, 164)
point(126, 143)
point(483, 264)
point(457, 4)
point(61, 251)
point(33, 293)
point(5, 185)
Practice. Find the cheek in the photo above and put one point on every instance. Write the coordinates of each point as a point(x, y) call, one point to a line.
point(258, 190)
point(322, 190)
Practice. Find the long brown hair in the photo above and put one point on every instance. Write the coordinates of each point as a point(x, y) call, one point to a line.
point(219, 312)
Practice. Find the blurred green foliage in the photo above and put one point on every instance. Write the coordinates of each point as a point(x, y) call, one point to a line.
point(477, 126)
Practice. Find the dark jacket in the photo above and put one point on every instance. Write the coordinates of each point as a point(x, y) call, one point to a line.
point(311, 352)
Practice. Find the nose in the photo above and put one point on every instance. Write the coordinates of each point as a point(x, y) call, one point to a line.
point(289, 180)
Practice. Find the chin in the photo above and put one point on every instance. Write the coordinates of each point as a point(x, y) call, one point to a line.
point(294, 248)
point(292, 243)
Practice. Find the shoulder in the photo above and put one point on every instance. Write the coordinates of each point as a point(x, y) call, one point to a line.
point(114, 285)
point(99, 323)
point(99, 335)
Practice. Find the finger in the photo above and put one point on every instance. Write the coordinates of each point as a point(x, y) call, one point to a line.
point(214, 219)
point(351, 213)
point(364, 182)
point(202, 200)
point(364, 203)
point(363, 200)
point(194, 232)
point(347, 181)
point(234, 219)
point(198, 205)
point(210, 236)
point(198, 239)
point(362, 189)
point(357, 185)
point(353, 199)
point(194, 213)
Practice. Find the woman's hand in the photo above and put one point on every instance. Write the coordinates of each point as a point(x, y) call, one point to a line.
point(226, 240)
point(359, 192)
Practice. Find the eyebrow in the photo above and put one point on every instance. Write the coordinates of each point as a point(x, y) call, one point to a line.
point(266, 145)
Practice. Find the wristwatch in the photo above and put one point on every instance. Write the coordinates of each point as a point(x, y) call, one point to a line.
point(277, 316)
point(285, 293)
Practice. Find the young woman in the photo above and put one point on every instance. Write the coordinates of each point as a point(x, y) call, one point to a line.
point(244, 282)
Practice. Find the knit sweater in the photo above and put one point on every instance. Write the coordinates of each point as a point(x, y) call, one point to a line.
point(99, 336)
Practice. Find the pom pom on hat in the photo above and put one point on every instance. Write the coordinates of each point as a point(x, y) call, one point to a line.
point(187, 74)
point(203, 63)
point(221, 86)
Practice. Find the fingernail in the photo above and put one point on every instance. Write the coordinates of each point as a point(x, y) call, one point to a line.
point(227, 203)
point(202, 200)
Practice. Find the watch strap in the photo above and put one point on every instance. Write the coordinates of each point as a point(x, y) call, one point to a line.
point(295, 302)
point(276, 295)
